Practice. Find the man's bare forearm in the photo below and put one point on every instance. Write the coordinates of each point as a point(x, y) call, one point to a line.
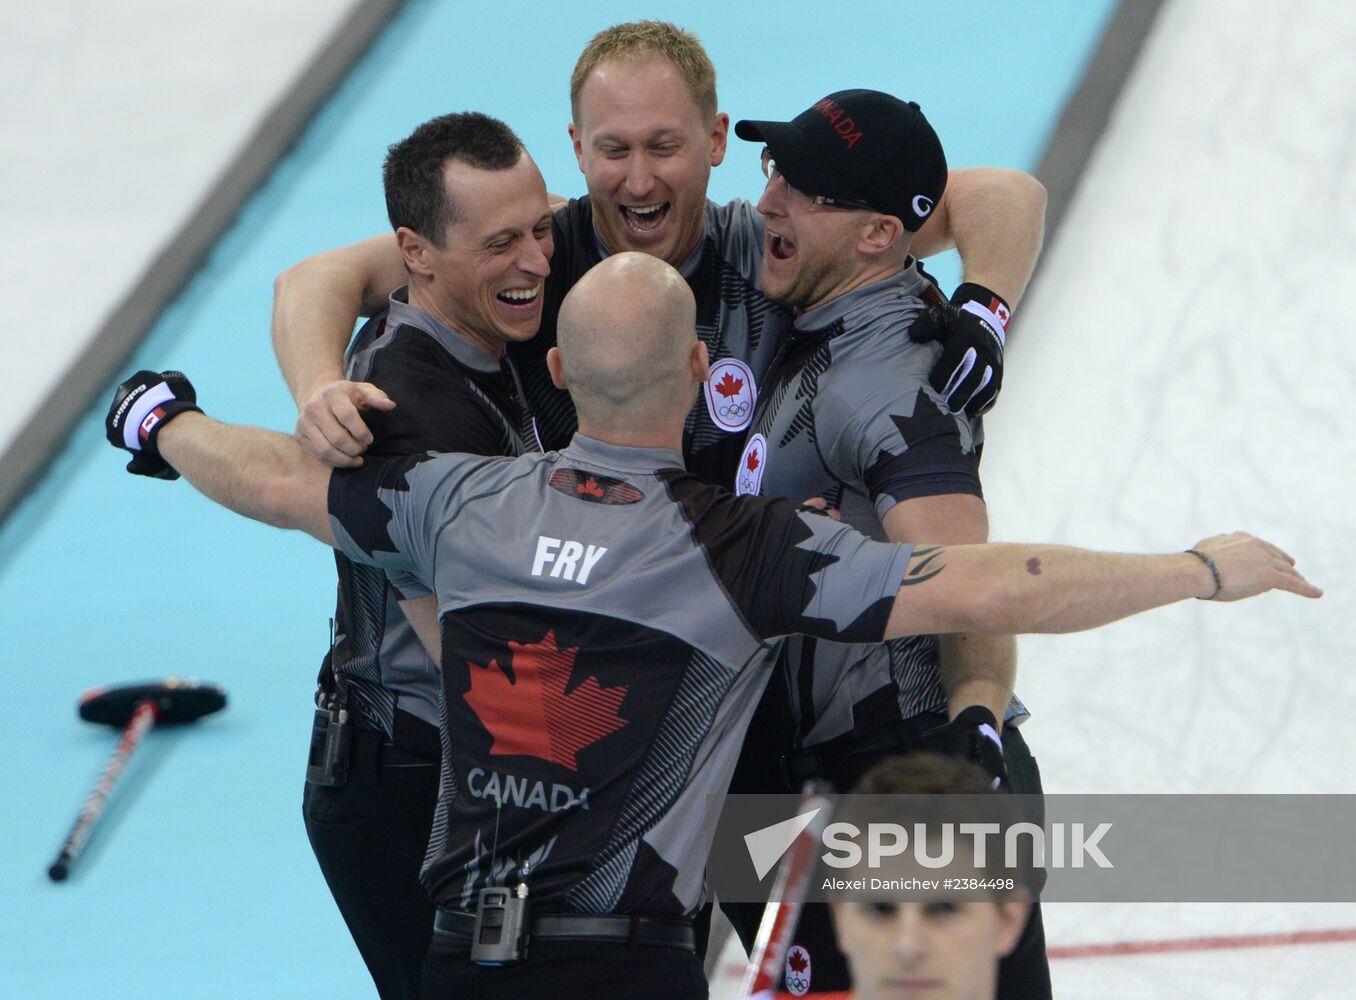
point(1014, 589)
point(995, 219)
point(978, 669)
point(975, 669)
point(317, 302)
point(261, 474)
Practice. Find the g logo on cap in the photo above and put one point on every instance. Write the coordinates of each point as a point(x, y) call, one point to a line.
point(922, 206)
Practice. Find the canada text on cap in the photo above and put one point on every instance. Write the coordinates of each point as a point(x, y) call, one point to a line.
point(863, 146)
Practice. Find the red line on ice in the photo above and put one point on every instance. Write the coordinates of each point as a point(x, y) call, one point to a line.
point(1221, 943)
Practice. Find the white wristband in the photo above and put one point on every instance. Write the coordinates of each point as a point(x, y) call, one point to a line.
point(988, 316)
point(153, 397)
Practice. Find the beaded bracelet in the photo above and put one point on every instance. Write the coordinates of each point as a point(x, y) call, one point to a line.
point(1214, 571)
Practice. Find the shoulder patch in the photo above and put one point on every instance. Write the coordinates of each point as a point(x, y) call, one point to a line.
point(731, 394)
point(749, 476)
point(593, 488)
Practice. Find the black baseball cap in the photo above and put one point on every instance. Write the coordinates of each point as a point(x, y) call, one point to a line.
point(863, 146)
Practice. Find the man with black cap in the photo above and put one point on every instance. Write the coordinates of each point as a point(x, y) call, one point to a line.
point(847, 413)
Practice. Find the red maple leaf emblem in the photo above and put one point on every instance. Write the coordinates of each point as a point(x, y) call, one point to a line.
point(534, 715)
point(729, 385)
point(591, 488)
point(752, 461)
point(796, 960)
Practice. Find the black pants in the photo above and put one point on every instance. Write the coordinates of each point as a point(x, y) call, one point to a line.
point(369, 837)
point(1022, 975)
point(565, 970)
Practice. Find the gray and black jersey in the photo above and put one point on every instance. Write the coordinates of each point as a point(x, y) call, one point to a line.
point(608, 624)
point(846, 413)
point(740, 327)
point(450, 395)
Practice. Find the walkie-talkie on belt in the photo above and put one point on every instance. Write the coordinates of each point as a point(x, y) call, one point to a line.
point(499, 936)
point(331, 734)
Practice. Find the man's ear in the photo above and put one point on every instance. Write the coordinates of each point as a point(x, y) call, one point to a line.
point(577, 139)
point(556, 369)
point(701, 362)
point(881, 234)
point(720, 137)
point(1012, 916)
point(414, 248)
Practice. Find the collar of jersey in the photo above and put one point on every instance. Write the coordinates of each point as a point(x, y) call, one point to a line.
point(908, 282)
point(471, 355)
point(620, 458)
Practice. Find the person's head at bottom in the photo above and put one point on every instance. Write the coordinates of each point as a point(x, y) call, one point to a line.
point(934, 944)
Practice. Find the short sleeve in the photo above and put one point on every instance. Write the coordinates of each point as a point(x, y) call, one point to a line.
point(789, 569)
point(830, 580)
point(389, 513)
point(897, 441)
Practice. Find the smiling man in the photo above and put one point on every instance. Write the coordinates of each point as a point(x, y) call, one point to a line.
point(470, 217)
point(647, 143)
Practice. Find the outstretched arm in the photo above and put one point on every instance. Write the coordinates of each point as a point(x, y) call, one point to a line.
point(261, 474)
point(1002, 588)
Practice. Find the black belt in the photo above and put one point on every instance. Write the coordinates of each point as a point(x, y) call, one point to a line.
point(654, 932)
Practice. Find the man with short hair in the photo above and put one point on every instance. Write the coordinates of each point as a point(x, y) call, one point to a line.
point(470, 216)
point(903, 945)
point(847, 413)
point(607, 621)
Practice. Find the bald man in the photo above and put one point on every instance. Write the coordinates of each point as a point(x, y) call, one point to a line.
point(607, 623)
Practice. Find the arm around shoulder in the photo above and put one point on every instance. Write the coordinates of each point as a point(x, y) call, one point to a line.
point(317, 302)
point(995, 218)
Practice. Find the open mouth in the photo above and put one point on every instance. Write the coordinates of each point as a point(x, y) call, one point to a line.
point(645, 218)
point(779, 247)
point(520, 297)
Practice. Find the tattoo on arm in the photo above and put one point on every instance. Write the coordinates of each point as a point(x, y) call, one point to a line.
point(1033, 566)
point(924, 564)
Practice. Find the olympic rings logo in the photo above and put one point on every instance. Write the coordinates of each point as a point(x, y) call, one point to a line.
point(735, 411)
point(797, 985)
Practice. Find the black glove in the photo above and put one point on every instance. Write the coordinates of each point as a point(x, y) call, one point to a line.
point(141, 406)
point(972, 329)
point(973, 734)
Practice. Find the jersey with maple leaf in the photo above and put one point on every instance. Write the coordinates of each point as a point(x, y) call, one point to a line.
point(608, 624)
point(734, 320)
point(450, 396)
point(847, 414)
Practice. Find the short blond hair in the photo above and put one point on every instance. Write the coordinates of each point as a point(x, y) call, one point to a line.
point(637, 39)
